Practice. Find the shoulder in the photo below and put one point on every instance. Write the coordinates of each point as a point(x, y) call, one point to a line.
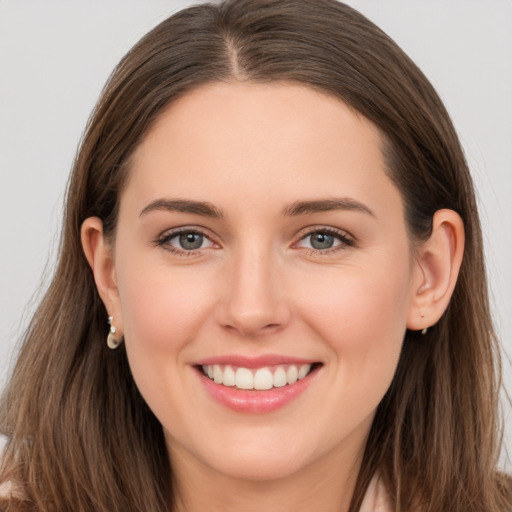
point(377, 498)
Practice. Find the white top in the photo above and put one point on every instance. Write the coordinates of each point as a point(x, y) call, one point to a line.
point(376, 498)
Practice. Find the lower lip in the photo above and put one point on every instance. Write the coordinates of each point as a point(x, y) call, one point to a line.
point(253, 401)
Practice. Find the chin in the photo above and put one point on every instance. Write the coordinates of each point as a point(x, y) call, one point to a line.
point(259, 466)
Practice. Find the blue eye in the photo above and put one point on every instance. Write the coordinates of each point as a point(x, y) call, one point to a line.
point(190, 241)
point(323, 240)
point(184, 241)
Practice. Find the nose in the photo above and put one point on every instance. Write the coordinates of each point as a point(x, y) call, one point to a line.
point(253, 302)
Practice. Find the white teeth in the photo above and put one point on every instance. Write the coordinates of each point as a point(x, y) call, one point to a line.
point(260, 379)
point(217, 374)
point(244, 379)
point(280, 378)
point(304, 370)
point(229, 377)
point(263, 379)
point(292, 374)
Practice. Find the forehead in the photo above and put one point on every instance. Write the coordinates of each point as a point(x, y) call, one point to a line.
point(279, 139)
point(258, 112)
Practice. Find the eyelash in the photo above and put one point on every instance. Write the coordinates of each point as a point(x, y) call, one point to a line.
point(164, 240)
point(344, 239)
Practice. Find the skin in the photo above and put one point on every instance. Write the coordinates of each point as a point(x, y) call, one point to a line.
point(258, 287)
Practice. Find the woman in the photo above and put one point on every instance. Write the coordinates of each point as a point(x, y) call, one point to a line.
point(270, 292)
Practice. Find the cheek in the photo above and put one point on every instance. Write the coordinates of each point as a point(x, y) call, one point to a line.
point(162, 311)
point(358, 300)
point(162, 307)
point(363, 323)
point(361, 315)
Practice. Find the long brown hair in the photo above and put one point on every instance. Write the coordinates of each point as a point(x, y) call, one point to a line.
point(79, 435)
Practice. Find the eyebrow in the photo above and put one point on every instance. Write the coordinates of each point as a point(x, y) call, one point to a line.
point(297, 208)
point(204, 209)
point(325, 205)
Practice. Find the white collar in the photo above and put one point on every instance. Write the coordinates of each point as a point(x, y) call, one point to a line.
point(376, 498)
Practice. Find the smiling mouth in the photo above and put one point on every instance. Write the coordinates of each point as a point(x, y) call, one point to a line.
point(260, 379)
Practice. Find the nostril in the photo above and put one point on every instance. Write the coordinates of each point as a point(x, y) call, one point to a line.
point(271, 326)
point(252, 305)
point(251, 325)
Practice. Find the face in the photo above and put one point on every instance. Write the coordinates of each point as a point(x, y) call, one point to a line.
point(261, 244)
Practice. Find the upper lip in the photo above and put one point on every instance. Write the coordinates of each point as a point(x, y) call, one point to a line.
point(253, 362)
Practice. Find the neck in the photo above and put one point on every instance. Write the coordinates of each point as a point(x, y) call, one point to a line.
point(326, 485)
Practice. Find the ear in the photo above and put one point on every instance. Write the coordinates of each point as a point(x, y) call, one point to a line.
point(100, 256)
point(437, 265)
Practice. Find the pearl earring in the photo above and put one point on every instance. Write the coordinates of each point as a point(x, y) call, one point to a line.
point(112, 341)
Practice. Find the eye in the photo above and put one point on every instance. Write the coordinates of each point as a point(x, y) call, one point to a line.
point(184, 241)
point(321, 240)
point(324, 239)
point(188, 241)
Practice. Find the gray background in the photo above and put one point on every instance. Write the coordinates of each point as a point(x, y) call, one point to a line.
point(56, 55)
